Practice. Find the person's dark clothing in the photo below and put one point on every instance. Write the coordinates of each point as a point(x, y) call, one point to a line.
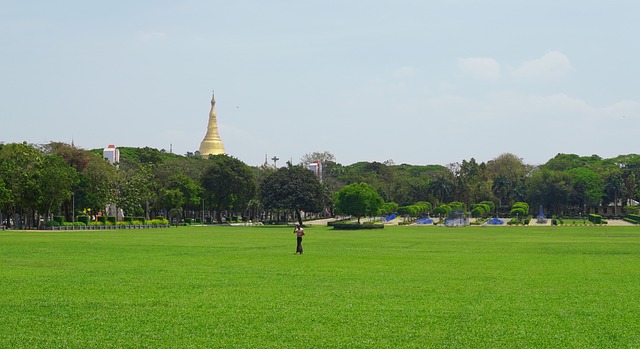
point(299, 247)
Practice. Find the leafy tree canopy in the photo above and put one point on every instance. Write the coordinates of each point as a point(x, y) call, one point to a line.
point(292, 187)
point(228, 182)
point(358, 199)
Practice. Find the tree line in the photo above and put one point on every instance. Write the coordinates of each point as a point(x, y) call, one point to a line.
point(39, 181)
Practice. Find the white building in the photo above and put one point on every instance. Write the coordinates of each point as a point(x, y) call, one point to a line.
point(316, 167)
point(112, 154)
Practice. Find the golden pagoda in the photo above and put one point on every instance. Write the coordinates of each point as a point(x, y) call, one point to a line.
point(212, 144)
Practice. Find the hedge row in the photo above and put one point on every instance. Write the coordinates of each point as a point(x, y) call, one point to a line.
point(341, 221)
point(595, 218)
point(351, 226)
point(633, 218)
point(103, 222)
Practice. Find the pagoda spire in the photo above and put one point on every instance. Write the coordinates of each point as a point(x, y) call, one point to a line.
point(212, 144)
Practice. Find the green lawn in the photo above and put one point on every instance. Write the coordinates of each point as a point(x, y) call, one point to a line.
point(400, 287)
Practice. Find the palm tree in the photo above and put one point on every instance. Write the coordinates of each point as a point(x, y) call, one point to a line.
point(500, 187)
point(614, 188)
point(631, 188)
point(441, 188)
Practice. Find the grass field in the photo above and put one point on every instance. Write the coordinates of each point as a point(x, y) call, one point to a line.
point(401, 287)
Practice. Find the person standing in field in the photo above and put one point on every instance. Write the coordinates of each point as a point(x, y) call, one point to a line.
point(299, 233)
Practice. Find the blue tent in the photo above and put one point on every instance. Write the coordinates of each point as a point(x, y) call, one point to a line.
point(424, 221)
point(495, 221)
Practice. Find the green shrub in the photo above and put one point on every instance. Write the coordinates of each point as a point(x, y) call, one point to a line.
point(478, 211)
point(51, 224)
point(120, 224)
point(490, 204)
point(406, 210)
point(137, 223)
point(96, 223)
point(79, 224)
point(457, 206)
point(128, 219)
point(102, 219)
point(442, 210)
point(189, 220)
point(518, 212)
point(59, 219)
point(83, 219)
point(595, 218)
point(388, 208)
point(633, 218)
point(356, 226)
point(111, 219)
point(158, 221)
point(140, 219)
point(557, 219)
point(522, 205)
point(514, 221)
point(424, 207)
point(340, 221)
point(67, 224)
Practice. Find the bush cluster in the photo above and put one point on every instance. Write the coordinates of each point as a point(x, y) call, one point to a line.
point(633, 218)
point(83, 219)
point(595, 218)
point(339, 221)
point(351, 226)
point(82, 222)
point(419, 208)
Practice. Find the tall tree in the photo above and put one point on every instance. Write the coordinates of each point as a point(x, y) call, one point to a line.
point(587, 188)
point(190, 189)
point(358, 199)
point(170, 199)
point(20, 168)
point(294, 188)
point(470, 179)
point(58, 181)
point(97, 181)
point(630, 188)
point(322, 157)
point(500, 187)
point(5, 199)
point(614, 188)
point(133, 189)
point(442, 188)
point(564, 162)
point(511, 172)
point(229, 183)
point(550, 189)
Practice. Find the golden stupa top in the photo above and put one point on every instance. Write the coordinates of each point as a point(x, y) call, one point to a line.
point(212, 144)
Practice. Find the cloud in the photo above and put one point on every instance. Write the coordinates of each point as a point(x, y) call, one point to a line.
point(482, 68)
point(624, 108)
point(552, 66)
point(403, 72)
point(145, 36)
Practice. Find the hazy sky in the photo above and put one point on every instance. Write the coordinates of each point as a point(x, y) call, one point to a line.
point(418, 82)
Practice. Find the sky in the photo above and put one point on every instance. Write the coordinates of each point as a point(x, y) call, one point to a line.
point(412, 81)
